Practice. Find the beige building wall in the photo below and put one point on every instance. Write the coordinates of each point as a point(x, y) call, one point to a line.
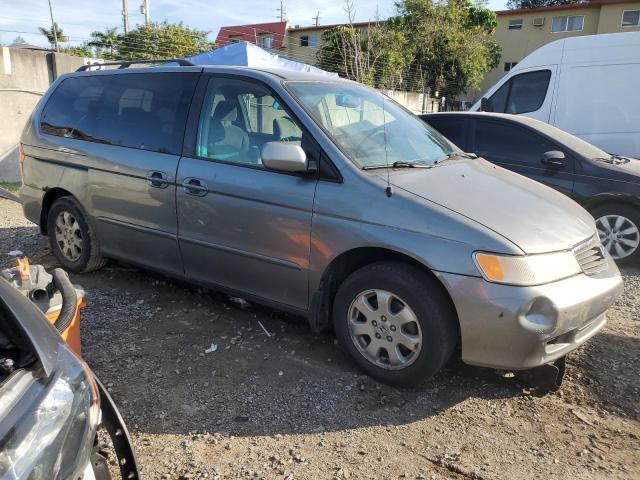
point(299, 53)
point(611, 18)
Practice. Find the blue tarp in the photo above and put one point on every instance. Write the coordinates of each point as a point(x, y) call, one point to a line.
point(244, 54)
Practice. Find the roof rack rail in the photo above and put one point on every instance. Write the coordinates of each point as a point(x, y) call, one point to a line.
point(127, 63)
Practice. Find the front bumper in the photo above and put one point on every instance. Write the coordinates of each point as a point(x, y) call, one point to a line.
point(517, 328)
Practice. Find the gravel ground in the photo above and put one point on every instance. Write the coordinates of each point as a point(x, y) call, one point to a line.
point(293, 406)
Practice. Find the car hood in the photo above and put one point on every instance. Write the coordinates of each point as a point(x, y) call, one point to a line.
point(629, 171)
point(533, 216)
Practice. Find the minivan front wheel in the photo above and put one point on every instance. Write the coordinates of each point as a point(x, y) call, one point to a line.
point(73, 241)
point(396, 321)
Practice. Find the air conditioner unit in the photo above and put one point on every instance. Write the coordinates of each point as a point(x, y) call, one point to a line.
point(538, 21)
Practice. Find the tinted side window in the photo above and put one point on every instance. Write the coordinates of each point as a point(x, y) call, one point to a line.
point(521, 94)
point(452, 128)
point(506, 143)
point(144, 111)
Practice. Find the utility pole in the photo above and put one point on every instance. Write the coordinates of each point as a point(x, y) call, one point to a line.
point(125, 16)
point(53, 28)
point(144, 8)
point(316, 19)
point(283, 11)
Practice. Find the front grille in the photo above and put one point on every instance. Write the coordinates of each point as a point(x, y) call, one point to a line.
point(590, 256)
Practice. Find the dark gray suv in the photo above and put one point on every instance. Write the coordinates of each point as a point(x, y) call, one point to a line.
point(319, 196)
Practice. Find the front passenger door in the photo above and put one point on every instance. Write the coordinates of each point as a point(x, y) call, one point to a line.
point(522, 149)
point(240, 226)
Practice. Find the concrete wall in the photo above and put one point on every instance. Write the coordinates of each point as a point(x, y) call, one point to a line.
point(24, 76)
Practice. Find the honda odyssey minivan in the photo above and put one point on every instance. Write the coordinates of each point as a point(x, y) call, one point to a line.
point(318, 196)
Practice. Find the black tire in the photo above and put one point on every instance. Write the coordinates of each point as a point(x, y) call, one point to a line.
point(425, 296)
point(632, 214)
point(89, 258)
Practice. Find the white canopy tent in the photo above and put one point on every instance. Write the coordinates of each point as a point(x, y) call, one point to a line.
point(244, 54)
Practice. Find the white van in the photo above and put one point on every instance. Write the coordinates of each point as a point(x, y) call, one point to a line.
point(588, 86)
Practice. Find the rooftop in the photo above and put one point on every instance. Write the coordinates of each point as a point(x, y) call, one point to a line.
point(571, 6)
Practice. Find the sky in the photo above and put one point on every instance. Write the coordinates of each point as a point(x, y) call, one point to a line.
point(78, 18)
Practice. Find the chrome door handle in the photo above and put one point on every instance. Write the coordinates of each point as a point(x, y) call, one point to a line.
point(158, 179)
point(195, 186)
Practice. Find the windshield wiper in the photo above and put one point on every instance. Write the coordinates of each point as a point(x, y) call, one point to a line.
point(452, 155)
point(615, 159)
point(398, 164)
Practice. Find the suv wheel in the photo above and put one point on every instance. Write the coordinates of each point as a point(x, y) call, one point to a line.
point(396, 321)
point(619, 231)
point(72, 239)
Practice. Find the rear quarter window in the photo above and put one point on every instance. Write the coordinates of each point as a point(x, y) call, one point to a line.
point(146, 111)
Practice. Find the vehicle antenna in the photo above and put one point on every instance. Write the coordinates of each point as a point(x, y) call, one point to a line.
point(386, 156)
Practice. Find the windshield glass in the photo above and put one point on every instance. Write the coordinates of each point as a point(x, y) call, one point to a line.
point(370, 128)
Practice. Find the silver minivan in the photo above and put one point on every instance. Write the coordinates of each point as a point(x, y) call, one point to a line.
point(322, 197)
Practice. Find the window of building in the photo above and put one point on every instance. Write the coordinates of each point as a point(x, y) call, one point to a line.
point(631, 18)
point(567, 23)
point(515, 24)
point(235, 38)
point(309, 41)
point(509, 65)
point(266, 41)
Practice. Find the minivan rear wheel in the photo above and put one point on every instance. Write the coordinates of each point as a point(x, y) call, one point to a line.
point(72, 239)
point(396, 321)
point(618, 227)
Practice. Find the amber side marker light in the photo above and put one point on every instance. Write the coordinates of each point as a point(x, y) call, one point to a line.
point(491, 266)
point(20, 153)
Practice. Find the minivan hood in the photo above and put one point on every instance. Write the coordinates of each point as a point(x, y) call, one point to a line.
point(533, 216)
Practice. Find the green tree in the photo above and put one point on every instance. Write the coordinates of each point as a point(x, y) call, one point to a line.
point(51, 38)
point(452, 44)
point(82, 50)
point(161, 40)
point(374, 55)
point(104, 42)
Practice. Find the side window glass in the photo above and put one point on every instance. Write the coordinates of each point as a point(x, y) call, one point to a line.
point(143, 111)
point(238, 118)
point(522, 93)
point(498, 101)
point(528, 91)
point(452, 128)
point(510, 144)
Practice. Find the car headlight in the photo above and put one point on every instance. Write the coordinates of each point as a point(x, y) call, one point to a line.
point(528, 269)
point(54, 439)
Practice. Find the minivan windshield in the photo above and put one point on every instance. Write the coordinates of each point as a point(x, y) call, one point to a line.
point(371, 129)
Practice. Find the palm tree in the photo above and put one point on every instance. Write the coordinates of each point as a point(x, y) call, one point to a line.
point(49, 33)
point(104, 40)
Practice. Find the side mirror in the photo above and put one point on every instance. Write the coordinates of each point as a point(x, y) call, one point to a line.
point(284, 157)
point(553, 158)
point(484, 104)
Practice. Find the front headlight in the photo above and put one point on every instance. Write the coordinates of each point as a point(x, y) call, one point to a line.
point(528, 269)
point(55, 438)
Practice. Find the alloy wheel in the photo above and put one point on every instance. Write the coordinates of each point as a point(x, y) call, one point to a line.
point(385, 329)
point(619, 235)
point(68, 236)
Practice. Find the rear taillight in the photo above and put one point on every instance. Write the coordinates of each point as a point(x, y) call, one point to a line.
point(21, 154)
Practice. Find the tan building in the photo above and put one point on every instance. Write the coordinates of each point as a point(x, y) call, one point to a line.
point(522, 31)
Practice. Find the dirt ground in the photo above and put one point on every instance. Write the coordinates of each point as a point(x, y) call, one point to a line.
point(293, 406)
